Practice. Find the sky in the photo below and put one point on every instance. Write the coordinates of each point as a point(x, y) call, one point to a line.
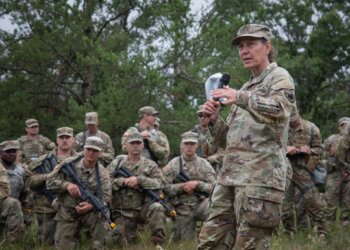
point(197, 6)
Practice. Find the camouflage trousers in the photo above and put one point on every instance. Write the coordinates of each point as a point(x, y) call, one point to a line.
point(153, 214)
point(238, 220)
point(184, 226)
point(68, 231)
point(303, 196)
point(11, 219)
point(338, 195)
point(46, 227)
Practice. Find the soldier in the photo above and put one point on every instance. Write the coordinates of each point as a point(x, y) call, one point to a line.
point(73, 214)
point(189, 197)
point(11, 216)
point(131, 207)
point(33, 144)
point(334, 188)
point(36, 177)
point(156, 146)
point(246, 200)
point(15, 172)
point(206, 149)
point(342, 160)
point(304, 151)
point(92, 123)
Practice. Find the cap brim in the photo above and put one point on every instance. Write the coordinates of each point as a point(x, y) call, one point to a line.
point(132, 140)
point(190, 140)
point(94, 147)
point(33, 125)
point(64, 134)
point(235, 41)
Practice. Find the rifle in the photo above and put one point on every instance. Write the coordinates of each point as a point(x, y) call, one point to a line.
point(45, 167)
point(86, 194)
point(126, 173)
point(184, 178)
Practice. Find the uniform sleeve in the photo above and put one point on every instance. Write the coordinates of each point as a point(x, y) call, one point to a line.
point(219, 130)
point(108, 154)
point(272, 105)
point(116, 182)
point(316, 141)
point(341, 154)
point(152, 178)
point(160, 148)
point(170, 172)
point(56, 180)
point(4, 183)
point(106, 184)
point(34, 180)
point(207, 184)
point(48, 144)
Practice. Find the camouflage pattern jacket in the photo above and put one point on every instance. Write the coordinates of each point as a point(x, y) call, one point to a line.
point(256, 134)
point(156, 148)
point(125, 200)
point(58, 183)
point(330, 145)
point(36, 181)
point(197, 169)
point(205, 148)
point(15, 177)
point(306, 134)
point(32, 148)
point(342, 154)
point(108, 152)
point(4, 184)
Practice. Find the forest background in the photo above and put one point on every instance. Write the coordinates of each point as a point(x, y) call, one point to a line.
point(64, 58)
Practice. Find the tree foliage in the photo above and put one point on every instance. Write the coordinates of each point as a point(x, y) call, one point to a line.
point(65, 58)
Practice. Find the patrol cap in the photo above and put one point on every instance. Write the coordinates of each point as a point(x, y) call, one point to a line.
point(189, 137)
point(343, 120)
point(148, 110)
point(94, 142)
point(7, 145)
point(91, 118)
point(200, 109)
point(135, 136)
point(252, 30)
point(65, 131)
point(31, 123)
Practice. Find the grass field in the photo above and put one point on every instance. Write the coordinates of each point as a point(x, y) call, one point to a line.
point(337, 239)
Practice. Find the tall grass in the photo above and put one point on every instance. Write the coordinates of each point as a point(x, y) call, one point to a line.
point(338, 238)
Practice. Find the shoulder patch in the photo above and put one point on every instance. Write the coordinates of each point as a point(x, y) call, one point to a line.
point(289, 95)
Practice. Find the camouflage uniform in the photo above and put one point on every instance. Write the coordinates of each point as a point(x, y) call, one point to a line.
point(32, 147)
point(69, 223)
point(108, 151)
point(189, 208)
point(11, 216)
point(306, 134)
point(43, 208)
point(246, 201)
point(130, 207)
point(342, 159)
point(334, 188)
point(156, 148)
